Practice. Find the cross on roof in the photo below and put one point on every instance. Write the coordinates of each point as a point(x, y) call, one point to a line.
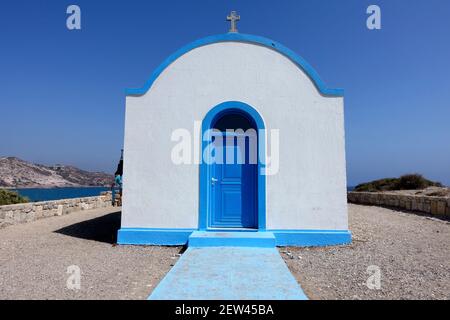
point(233, 18)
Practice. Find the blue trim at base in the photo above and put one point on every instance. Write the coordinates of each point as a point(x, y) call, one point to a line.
point(163, 237)
point(176, 237)
point(311, 238)
point(262, 239)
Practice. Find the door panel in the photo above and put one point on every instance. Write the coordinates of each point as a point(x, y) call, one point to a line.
point(233, 190)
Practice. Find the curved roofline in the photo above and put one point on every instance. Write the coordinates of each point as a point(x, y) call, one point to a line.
point(240, 37)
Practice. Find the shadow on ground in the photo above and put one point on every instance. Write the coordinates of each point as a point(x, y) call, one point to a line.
point(102, 229)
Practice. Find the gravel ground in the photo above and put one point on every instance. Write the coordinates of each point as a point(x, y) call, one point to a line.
point(411, 251)
point(34, 258)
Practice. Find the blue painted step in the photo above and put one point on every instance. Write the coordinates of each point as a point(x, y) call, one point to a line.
point(229, 274)
point(231, 239)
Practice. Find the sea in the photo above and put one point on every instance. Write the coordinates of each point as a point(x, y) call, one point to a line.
point(46, 194)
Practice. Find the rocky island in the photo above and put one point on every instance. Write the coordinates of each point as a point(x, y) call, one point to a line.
point(17, 173)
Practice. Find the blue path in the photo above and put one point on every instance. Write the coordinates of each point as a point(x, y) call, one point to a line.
point(229, 273)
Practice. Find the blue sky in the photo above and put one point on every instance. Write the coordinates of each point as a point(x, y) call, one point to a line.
point(62, 92)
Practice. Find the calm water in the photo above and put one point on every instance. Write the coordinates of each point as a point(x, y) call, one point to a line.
point(41, 194)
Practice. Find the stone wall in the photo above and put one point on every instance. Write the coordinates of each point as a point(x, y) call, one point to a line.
point(26, 212)
point(437, 206)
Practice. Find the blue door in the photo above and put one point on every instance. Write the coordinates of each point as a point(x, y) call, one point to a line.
point(233, 188)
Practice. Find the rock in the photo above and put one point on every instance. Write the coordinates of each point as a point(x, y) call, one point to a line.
point(17, 173)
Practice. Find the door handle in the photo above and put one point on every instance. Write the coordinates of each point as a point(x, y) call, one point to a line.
point(214, 180)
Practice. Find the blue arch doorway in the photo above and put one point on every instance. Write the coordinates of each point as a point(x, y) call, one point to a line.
point(232, 180)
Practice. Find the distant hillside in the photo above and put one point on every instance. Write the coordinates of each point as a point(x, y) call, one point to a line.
point(17, 173)
point(406, 182)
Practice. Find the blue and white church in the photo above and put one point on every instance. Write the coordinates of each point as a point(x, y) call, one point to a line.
point(196, 109)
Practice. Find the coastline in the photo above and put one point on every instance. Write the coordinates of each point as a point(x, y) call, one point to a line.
point(54, 187)
point(58, 193)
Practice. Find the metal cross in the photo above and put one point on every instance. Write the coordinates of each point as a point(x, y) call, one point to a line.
point(233, 18)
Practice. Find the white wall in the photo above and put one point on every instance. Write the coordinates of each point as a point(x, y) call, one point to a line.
point(309, 192)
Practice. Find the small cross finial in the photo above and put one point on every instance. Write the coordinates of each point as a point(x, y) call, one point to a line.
point(233, 18)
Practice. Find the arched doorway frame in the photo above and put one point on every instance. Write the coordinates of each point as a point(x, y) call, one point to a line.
point(205, 174)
